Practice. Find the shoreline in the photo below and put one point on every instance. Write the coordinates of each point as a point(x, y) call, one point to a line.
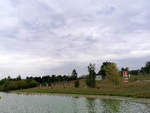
point(119, 98)
point(114, 92)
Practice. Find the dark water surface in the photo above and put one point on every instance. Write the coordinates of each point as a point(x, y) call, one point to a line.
point(36, 103)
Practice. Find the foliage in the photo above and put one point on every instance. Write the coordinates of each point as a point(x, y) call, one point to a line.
point(112, 74)
point(53, 80)
point(110, 106)
point(90, 81)
point(130, 89)
point(146, 69)
point(103, 68)
point(19, 77)
point(108, 70)
point(19, 84)
point(143, 71)
point(74, 74)
point(134, 72)
point(76, 84)
point(9, 83)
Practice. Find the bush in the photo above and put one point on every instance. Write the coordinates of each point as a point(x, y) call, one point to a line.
point(20, 84)
point(76, 84)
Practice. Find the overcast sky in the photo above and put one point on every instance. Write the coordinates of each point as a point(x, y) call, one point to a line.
point(39, 37)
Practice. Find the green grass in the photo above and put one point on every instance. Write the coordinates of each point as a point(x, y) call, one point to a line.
point(130, 89)
point(140, 77)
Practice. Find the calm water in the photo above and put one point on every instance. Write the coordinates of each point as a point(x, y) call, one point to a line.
point(14, 103)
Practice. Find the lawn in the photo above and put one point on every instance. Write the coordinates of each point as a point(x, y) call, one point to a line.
point(134, 88)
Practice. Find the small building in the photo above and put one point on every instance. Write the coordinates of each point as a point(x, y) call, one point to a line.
point(98, 77)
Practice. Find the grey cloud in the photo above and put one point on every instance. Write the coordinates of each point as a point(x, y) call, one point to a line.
point(55, 36)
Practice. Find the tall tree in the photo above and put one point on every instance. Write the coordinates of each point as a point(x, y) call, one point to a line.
point(91, 77)
point(102, 70)
point(74, 74)
point(112, 74)
point(147, 67)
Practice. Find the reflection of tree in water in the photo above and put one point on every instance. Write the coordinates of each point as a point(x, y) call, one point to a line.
point(91, 105)
point(135, 107)
point(110, 106)
point(74, 104)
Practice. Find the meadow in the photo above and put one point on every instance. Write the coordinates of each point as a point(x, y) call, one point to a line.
point(137, 87)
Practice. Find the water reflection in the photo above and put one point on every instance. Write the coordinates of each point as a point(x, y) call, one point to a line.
point(110, 106)
point(74, 104)
point(36, 103)
point(91, 105)
point(102, 105)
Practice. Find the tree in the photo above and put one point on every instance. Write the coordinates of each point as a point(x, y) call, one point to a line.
point(76, 84)
point(90, 81)
point(74, 75)
point(18, 78)
point(134, 72)
point(60, 78)
point(143, 70)
point(112, 74)
point(146, 69)
point(102, 70)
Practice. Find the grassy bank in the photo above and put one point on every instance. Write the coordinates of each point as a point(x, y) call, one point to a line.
point(134, 88)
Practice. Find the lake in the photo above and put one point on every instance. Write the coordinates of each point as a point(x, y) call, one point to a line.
point(42, 103)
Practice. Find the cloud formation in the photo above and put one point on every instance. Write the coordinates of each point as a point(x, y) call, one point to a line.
point(54, 36)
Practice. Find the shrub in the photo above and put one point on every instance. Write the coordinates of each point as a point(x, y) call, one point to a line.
point(76, 84)
point(19, 84)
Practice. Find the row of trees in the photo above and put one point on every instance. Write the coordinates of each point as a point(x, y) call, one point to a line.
point(49, 80)
point(9, 83)
point(14, 84)
point(142, 71)
point(108, 71)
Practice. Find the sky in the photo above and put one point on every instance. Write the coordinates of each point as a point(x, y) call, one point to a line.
point(39, 37)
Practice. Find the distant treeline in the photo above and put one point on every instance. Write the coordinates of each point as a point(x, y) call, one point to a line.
point(50, 80)
point(142, 71)
point(12, 84)
point(9, 83)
